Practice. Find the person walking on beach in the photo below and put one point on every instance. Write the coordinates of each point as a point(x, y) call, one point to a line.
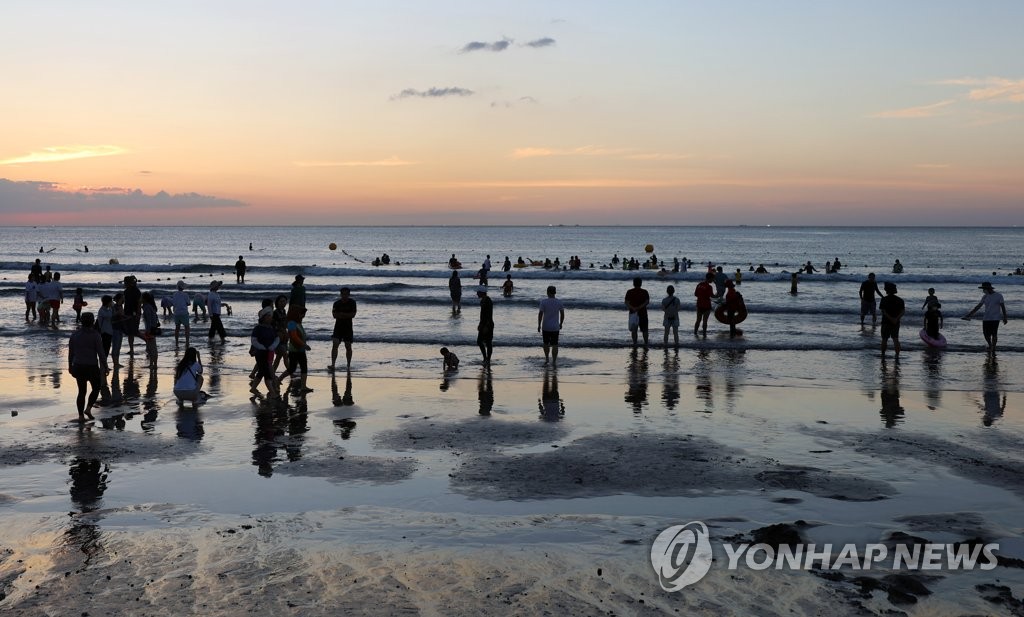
point(703, 292)
point(892, 308)
point(85, 363)
point(343, 311)
point(298, 345)
point(263, 345)
point(455, 291)
point(105, 323)
point(132, 311)
point(240, 270)
point(868, 289)
point(994, 309)
point(297, 298)
point(30, 298)
point(77, 304)
point(151, 327)
point(179, 303)
point(485, 330)
point(213, 303)
point(549, 322)
point(279, 321)
point(636, 301)
point(733, 302)
point(671, 305)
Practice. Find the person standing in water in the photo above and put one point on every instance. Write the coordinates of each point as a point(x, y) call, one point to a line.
point(485, 330)
point(343, 311)
point(994, 309)
point(636, 301)
point(240, 270)
point(85, 363)
point(868, 289)
point(671, 305)
point(550, 319)
point(703, 292)
point(455, 291)
point(892, 308)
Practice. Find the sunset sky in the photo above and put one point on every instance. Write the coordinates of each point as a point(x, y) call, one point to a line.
point(588, 112)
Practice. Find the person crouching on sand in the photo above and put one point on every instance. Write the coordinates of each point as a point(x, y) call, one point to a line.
point(450, 361)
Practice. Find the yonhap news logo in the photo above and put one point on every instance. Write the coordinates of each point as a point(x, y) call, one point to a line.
point(682, 555)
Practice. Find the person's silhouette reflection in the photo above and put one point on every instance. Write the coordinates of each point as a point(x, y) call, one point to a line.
point(485, 391)
point(551, 406)
point(702, 380)
point(993, 400)
point(891, 412)
point(636, 389)
point(932, 377)
point(88, 483)
point(670, 391)
point(342, 400)
point(188, 423)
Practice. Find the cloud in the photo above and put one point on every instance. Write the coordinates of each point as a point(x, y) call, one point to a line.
point(391, 161)
point(432, 93)
point(628, 154)
point(544, 42)
point(924, 111)
point(585, 183)
point(996, 89)
point(56, 154)
point(39, 197)
point(501, 45)
point(523, 99)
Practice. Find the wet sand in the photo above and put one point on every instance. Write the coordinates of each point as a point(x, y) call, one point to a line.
point(512, 491)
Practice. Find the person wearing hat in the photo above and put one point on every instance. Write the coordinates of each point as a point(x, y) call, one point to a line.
point(485, 330)
point(995, 309)
point(892, 308)
point(180, 302)
point(344, 310)
point(213, 303)
point(297, 298)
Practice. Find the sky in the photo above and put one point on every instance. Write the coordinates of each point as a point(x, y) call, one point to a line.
point(588, 112)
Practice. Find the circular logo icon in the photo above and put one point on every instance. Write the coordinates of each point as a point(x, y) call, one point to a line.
point(681, 555)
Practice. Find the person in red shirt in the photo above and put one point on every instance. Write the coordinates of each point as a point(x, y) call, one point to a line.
point(704, 292)
point(637, 300)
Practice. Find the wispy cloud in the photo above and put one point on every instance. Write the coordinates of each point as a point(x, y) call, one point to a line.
point(543, 42)
point(501, 45)
point(583, 183)
point(627, 154)
point(523, 99)
point(56, 154)
point(40, 197)
point(924, 111)
point(997, 89)
point(392, 161)
point(432, 93)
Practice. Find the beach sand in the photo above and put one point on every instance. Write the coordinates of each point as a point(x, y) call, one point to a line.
point(519, 490)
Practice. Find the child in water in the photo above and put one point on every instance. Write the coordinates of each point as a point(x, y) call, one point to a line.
point(77, 305)
point(506, 287)
point(933, 320)
point(451, 361)
point(930, 299)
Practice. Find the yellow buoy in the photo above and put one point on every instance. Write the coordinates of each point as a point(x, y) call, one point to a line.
point(649, 248)
point(332, 246)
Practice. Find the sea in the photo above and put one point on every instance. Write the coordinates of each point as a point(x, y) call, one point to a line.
point(405, 305)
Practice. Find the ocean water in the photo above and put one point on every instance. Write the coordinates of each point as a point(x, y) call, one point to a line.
point(407, 305)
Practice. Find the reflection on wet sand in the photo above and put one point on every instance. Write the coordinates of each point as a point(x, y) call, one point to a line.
point(891, 411)
point(636, 389)
point(88, 483)
point(932, 359)
point(993, 398)
point(485, 391)
point(670, 369)
point(702, 380)
point(733, 360)
point(188, 423)
point(551, 405)
point(342, 400)
point(279, 426)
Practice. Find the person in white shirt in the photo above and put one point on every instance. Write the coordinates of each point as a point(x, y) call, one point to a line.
point(213, 303)
point(994, 310)
point(188, 377)
point(549, 323)
point(30, 298)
